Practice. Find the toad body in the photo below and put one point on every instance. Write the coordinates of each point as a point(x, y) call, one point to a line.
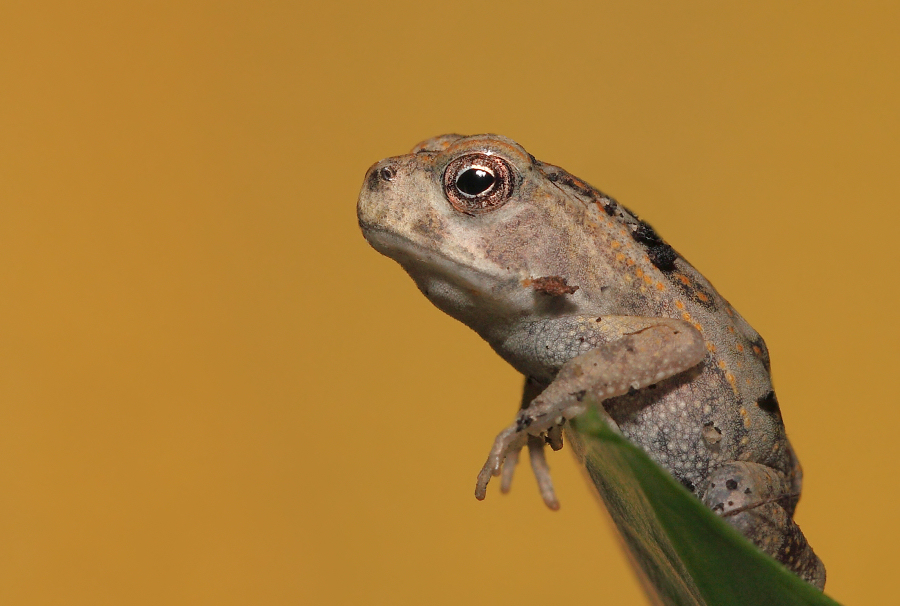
point(591, 305)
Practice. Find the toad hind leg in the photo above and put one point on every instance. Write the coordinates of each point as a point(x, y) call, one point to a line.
point(758, 501)
point(660, 349)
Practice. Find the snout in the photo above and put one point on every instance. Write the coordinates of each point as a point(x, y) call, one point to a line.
point(373, 204)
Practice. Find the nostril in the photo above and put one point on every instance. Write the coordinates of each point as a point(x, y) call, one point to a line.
point(387, 173)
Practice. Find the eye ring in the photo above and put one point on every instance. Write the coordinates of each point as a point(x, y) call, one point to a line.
point(478, 183)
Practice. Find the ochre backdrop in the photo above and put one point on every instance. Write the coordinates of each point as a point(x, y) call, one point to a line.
point(214, 392)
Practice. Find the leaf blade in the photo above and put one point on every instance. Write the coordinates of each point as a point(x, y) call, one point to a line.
point(686, 553)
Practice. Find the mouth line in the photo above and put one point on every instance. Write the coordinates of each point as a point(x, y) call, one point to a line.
point(425, 261)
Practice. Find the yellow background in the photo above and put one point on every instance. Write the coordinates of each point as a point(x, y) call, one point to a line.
point(214, 392)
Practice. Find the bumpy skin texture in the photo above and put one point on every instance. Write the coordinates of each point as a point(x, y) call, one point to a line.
point(581, 296)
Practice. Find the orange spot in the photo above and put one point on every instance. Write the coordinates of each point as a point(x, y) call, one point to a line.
point(686, 316)
point(684, 279)
point(702, 297)
point(731, 380)
point(698, 327)
point(639, 272)
point(731, 329)
point(740, 347)
point(679, 304)
point(620, 257)
point(629, 262)
point(757, 350)
point(710, 347)
point(660, 286)
point(648, 279)
point(614, 244)
point(722, 364)
point(729, 312)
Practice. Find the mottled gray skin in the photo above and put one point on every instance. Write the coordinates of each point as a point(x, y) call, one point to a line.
point(685, 377)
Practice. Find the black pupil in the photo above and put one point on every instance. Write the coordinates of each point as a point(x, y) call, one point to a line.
point(474, 181)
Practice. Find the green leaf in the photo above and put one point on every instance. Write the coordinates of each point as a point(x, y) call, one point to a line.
point(685, 552)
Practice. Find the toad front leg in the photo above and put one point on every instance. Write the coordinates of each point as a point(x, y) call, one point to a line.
point(651, 350)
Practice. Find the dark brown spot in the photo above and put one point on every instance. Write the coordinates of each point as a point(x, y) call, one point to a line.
point(643, 233)
point(731, 485)
point(769, 403)
point(609, 206)
point(663, 257)
point(661, 254)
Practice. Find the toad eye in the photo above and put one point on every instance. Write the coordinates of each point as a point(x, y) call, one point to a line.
point(474, 181)
point(478, 183)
